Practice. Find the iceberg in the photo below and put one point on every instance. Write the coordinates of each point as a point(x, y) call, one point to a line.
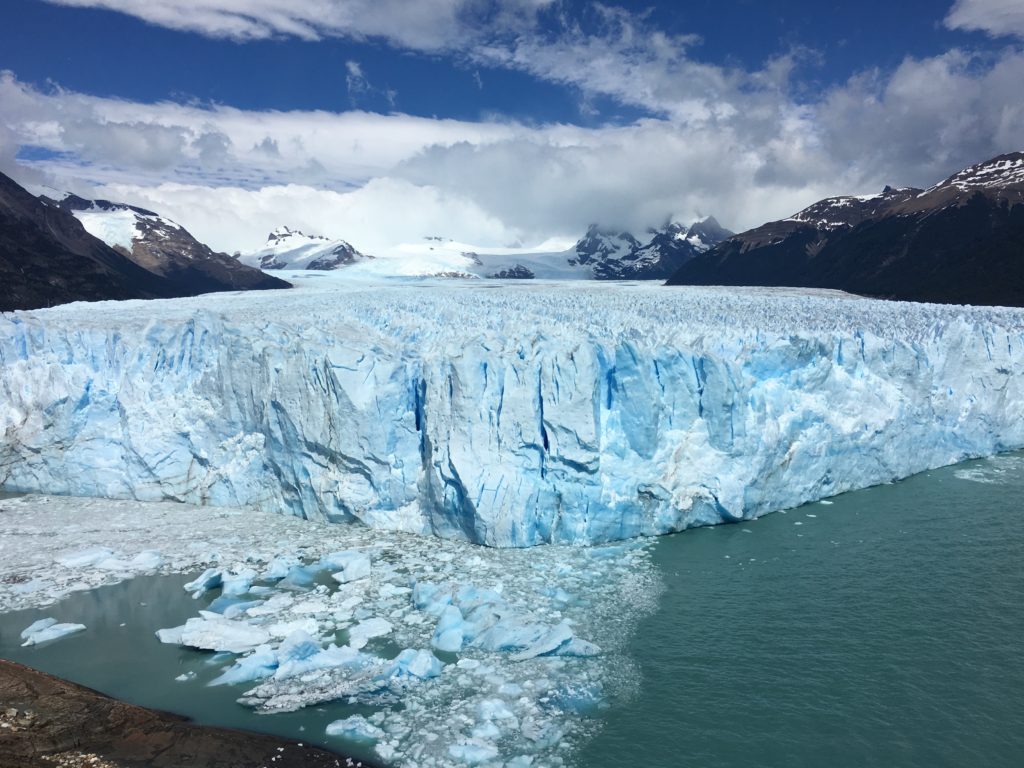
point(560, 414)
point(212, 632)
point(45, 630)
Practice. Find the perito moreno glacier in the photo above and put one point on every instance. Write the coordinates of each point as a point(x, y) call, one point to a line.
point(508, 415)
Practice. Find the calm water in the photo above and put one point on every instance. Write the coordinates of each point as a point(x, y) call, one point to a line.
point(885, 629)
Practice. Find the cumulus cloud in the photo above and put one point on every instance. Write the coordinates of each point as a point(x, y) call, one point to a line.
point(930, 117)
point(996, 17)
point(718, 140)
point(375, 218)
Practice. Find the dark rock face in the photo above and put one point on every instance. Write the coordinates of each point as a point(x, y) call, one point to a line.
point(517, 272)
point(340, 255)
point(46, 721)
point(622, 257)
point(169, 250)
point(47, 258)
point(960, 242)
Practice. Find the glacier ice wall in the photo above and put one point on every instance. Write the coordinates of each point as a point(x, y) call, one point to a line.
point(505, 415)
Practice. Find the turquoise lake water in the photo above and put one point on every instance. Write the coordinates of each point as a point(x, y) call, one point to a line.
point(883, 629)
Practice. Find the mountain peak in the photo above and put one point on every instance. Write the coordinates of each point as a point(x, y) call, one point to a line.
point(999, 172)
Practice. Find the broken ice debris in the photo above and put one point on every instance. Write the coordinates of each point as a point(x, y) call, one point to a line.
point(356, 727)
point(349, 566)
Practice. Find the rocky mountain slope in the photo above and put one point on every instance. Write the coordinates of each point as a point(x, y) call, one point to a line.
point(47, 257)
point(961, 241)
point(164, 248)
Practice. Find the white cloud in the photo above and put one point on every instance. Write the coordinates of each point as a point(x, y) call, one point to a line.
point(605, 50)
point(996, 17)
point(375, 218)
point(724, 141)
point(424, 25)
point(930, 117)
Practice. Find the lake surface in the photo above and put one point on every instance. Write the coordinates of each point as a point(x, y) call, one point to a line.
point(883, 629)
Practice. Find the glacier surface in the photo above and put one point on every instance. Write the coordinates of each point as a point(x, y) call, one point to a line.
point(504, 414)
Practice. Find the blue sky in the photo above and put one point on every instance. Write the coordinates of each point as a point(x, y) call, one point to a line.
point(499, 122)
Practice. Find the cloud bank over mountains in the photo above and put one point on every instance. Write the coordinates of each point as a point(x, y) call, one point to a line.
point(744, 145)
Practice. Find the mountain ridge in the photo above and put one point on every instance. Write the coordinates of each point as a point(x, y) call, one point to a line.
point(960, 241)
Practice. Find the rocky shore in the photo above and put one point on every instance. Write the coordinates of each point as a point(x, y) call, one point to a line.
point(46, 722)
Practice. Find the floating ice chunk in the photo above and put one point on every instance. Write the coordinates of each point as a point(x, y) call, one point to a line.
point(213, 632)
point(510, 634)
point(209, 579)
point(367, 629)
point(297, 646)
point(578, 647)
point(552, 641)
point(331, 657)
point(356, 727)
point(350, 566)
point(233, 584)
point(261, 663)
point(278, 568)
point(300, 577)
point(231, 606)
point(469, 597)
point(147, 560)
point(283, 629)
point(494, 709)
point(542, 734)
point(186, 676)
point(171, 635)
point(37, 626)
point(473, 751)
point(275, 605)
point(557, 594)
point(448, 633)
point(84, 558)
point(578, 699)
point(414, 663)
point(45, 630)
point(430, 597)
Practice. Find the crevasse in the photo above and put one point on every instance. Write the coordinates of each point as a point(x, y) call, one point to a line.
point(504, 415)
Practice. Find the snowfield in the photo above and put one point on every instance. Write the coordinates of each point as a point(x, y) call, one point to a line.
point(503, 413)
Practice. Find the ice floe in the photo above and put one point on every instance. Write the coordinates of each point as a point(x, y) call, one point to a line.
point(45, 630)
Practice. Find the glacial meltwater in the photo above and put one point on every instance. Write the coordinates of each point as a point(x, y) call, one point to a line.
point(882, 628)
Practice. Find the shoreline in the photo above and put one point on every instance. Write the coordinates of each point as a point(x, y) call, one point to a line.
point(46, 721)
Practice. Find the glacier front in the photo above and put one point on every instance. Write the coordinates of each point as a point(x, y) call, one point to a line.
point(504, 414)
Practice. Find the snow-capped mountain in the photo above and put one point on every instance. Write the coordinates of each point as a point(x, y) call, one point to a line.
point(48, 258)
point(610, 254)
point(163, 247)
point(668, 249)
point(599, 246)
point(290, 249)
point(960, 241)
